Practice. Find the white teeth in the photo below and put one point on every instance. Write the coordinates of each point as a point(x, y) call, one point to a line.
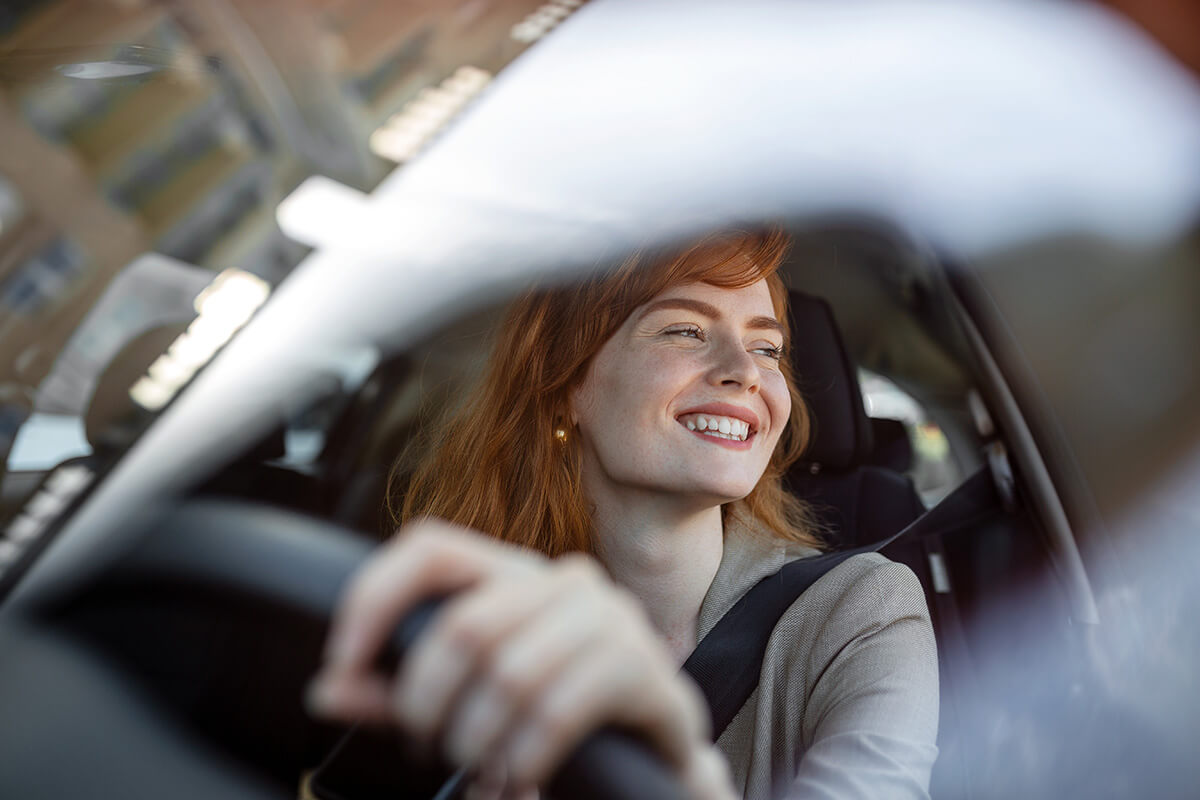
point(721, 427)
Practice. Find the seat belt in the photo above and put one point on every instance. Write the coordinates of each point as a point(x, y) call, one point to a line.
point(728, 661)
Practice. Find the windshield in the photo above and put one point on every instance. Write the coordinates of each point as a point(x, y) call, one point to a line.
point(147, 147)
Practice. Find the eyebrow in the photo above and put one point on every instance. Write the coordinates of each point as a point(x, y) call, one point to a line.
point(710, 311)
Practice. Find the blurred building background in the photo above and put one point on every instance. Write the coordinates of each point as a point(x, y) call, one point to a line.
point(175, 127)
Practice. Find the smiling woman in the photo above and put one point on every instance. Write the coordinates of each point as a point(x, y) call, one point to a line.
point(533, 494)
point(637, 427)
point(693, 370)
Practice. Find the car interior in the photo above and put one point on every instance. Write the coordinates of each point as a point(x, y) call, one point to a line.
point(1001, 418)
point(863, 298)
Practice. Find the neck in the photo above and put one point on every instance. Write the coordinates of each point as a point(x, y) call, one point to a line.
point(665, 555)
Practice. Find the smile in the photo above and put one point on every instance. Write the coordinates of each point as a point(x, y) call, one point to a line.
point(717, 427)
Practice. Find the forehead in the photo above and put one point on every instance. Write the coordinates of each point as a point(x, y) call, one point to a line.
point(753, 300)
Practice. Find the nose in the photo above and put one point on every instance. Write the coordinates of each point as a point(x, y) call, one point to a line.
point(734, 367)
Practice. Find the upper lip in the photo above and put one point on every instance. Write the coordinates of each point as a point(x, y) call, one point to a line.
point(725, 410)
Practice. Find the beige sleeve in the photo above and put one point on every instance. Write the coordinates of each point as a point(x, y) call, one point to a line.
point(870, 725)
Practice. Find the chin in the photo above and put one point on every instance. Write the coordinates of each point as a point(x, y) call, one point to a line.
point(722, 492)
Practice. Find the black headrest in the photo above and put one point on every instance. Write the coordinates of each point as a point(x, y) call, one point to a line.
point(828, 382)
point(112, 420)
point(892, 448)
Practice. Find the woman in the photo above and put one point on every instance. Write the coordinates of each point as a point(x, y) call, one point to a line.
point(627, 447)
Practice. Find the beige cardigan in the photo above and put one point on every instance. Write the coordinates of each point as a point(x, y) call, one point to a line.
point(847, 700)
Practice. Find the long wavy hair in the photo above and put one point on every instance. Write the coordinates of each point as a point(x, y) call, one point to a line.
point(495, 464)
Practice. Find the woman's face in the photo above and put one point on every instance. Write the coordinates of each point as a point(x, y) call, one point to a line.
point(687, 397)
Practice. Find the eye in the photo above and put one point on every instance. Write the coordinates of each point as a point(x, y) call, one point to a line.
point(687, 331)
point(770, 351)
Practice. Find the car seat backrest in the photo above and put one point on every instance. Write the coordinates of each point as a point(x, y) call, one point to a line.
point(856, 500)
point(109, 419)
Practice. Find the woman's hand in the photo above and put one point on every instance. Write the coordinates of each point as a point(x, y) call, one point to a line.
point(518, 667)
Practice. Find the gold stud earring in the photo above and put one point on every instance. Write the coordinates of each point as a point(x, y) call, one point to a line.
point(560, 433)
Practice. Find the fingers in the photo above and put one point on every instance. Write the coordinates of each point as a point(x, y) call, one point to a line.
point(426, 559)
point(602, 685)
point(491, 783)
point(516, 671)
point(365, 698)
point(585, 656)
point(706, 776)
point(460, 648)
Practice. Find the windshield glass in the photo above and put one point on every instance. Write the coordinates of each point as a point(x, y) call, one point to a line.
point(147, 146)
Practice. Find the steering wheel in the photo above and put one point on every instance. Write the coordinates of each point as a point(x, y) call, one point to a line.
point(181, 670)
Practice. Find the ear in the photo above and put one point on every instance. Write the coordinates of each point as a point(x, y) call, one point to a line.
point(573, 401)
point(581, 396)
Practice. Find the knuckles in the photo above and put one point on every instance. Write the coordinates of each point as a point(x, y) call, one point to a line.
point(511, 680)
point(426, 542)
point(369, 588)
point(464, 631)
point(580, 567)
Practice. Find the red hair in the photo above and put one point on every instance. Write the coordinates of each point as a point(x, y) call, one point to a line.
point(496, 466)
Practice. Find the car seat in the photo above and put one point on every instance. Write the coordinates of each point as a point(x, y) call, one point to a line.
point(857, 494)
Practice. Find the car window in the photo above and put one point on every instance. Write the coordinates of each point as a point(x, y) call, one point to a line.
point(45, 440)
point(934, 468)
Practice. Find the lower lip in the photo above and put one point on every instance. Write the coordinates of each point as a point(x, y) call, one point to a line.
point(732, 444)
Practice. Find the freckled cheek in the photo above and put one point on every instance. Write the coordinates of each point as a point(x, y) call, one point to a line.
point(659, 380)
point(637, 390)
point(778, 400)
